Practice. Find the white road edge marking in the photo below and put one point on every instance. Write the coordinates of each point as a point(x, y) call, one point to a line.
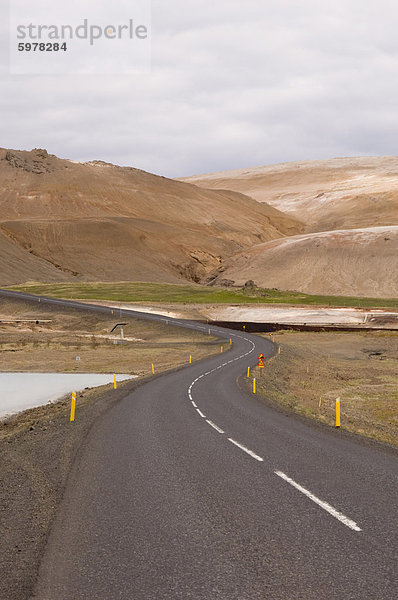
point(335, 513)
point(201, 414)
point(250, 452)
point(216, 427)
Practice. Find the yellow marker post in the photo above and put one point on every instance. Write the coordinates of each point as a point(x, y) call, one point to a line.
point(190, 359)
point(209, 331)
point(39, 300)
point(153, 369)
point(221, 349)
point(338, 412)
point(244, 326)
point(279, 350)
point(73, 407)
point(248, 371)
point(230, 341)
point(254, 386)
point(167, 322)
point(114, 383)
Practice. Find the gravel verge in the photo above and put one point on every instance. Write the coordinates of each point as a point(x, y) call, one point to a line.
point(37, 450)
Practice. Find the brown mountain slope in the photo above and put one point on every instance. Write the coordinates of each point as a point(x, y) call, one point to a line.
point(354, 262)
point(61, 220)
point(341, 193)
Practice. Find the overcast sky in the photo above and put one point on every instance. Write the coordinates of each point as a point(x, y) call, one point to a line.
point(233, 84)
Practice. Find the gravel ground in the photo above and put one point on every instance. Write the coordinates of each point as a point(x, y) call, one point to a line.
point(37, 450)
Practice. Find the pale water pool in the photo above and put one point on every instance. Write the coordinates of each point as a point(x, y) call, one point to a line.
point(20, 391)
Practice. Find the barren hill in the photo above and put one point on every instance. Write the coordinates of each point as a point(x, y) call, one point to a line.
point(61, 220)
point(353, 262)
point(341, 193)
point(350, 200)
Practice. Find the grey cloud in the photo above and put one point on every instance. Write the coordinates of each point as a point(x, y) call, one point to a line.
point(233, 84)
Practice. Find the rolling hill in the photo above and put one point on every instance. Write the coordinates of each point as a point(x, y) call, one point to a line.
point(350, 210)
point(62, 221)
point(327, 227)
point(341, 193)
point(351, 262)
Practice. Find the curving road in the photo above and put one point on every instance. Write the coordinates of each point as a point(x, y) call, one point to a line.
point(191, 488)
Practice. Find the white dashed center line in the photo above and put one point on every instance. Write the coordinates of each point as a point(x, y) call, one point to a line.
point(250, 452)
point(216, 427)
point(332, 511)
point(324, 505)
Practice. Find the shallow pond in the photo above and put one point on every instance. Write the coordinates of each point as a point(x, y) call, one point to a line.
point(20, 391)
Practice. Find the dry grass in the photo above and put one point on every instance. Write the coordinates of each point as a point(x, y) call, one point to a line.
point(54, 346)
point(316, 368)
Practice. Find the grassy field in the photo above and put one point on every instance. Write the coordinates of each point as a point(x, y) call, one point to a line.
point(314, 369)
point(194, 294)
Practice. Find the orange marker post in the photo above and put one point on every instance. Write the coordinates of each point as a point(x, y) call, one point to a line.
point(338, 412)
point(73, 407)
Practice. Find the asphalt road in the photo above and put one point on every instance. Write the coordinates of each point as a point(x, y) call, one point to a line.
point(191, 488)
